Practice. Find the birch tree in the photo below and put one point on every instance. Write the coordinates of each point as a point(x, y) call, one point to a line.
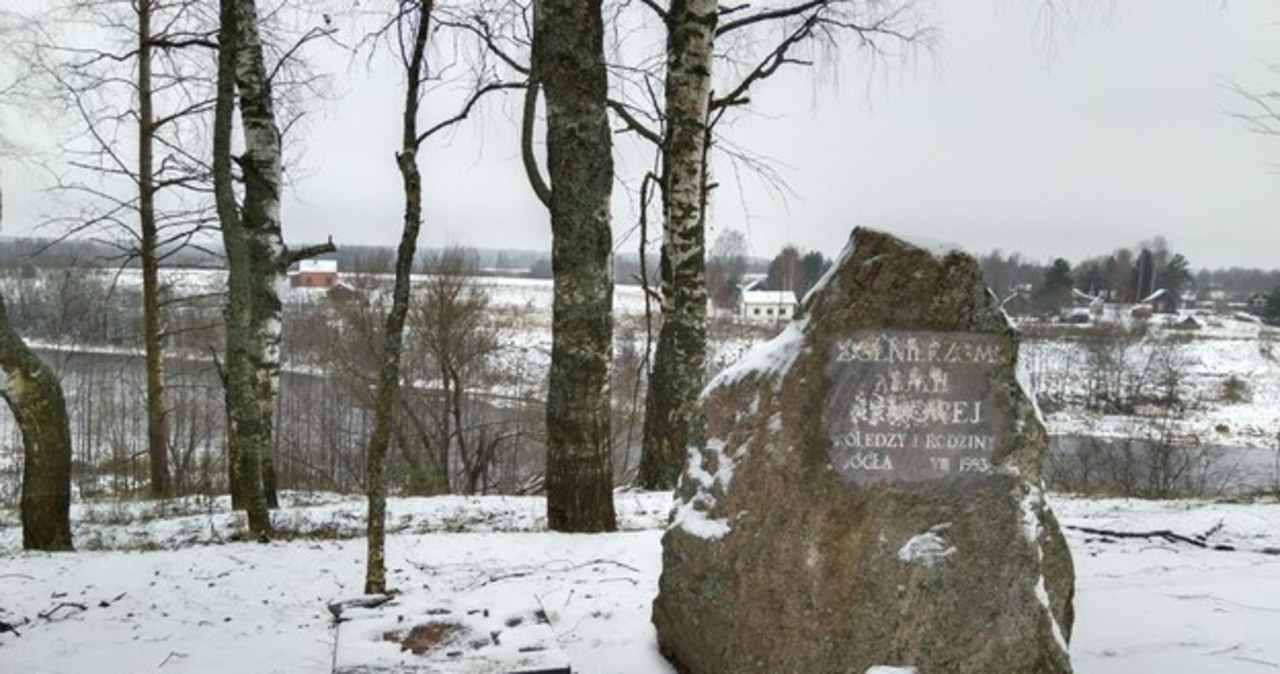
point(257, 258)
point(690, 114)
point(671, 410)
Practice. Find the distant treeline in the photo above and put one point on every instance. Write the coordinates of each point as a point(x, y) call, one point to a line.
point(1126, 272)
point(1005, 271)
point(47, 253)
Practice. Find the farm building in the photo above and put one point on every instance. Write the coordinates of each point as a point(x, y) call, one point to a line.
point(767, 305)
point(321, 274)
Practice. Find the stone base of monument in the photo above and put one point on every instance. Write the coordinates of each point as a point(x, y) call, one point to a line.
point(868, 495)
point(418, 634)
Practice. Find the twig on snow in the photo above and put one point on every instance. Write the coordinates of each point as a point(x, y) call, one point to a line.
point(49, 615)
point(1173, 537)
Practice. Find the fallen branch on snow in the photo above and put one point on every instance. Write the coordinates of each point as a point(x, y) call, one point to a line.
point(336, 608)
point(1171, 537)
point(49, 615)
point(11, 627)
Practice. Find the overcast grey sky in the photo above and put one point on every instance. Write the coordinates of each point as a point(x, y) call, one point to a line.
point(1118, 136)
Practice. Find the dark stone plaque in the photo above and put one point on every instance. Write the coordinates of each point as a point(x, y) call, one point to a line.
point(912, 405)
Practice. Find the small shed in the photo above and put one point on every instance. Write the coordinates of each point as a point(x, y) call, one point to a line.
point(322, 274)
point(767, 305)
point(1163, 301)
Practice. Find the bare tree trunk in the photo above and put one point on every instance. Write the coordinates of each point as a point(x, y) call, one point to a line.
point(244, 423)
point(157, 434)
point(34, 396)
point(671, 419)
point(568, 57)
point(393, 334)
point(453, 398)
point(257, 271)
point(266, 253)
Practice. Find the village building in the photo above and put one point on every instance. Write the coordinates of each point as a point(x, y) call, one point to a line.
point(321, 274)
point(1163, 301)
point(1256, 304)
point(767, 305)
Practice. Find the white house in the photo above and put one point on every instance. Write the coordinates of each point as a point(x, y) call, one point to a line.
point(767, 306)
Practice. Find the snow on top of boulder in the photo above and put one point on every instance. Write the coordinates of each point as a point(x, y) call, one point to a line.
point(768, 359)
point(936, 247)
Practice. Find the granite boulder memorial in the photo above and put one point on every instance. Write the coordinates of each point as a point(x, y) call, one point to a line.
point(868, 496)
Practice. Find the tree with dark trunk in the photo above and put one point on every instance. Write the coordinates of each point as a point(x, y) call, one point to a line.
point(34, 395)
point(149, 250)
point(568, 62)
point(1175, 276)
point(1054, 291)
point(415, 15)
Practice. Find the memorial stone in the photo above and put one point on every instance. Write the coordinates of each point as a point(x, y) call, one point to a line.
point(868, 496)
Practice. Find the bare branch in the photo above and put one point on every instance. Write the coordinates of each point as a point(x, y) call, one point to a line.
point(769, 15)
point(633, 123)
point(479, 27)
point(1265, 117)
point(536, 181)
point(657, 9)
point(307, 252)
point(766, 67)
point(466, 109)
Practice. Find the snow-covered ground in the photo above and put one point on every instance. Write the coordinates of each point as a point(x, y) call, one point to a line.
point(1202, 359)
point(166, 590)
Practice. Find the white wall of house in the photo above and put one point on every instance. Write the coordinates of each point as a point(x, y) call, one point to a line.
point(766, 306)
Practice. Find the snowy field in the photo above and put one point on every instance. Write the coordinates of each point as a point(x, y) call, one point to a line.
point(505, 292)
point(169, 590)
point(1204, 359)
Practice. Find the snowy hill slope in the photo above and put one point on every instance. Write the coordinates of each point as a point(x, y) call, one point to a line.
point(1201, 361)
point(156, 598)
